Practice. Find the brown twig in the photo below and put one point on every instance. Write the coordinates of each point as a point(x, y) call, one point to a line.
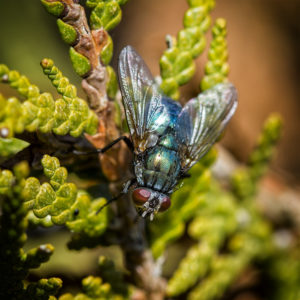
point(116, 163)
point(138, 258)
point(89, 43)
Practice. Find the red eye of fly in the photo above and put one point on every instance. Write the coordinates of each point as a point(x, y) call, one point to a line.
point(165, 204)
point(140, 196)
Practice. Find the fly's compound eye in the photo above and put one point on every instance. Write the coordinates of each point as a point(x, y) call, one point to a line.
point(166, 203)
point(140, 196)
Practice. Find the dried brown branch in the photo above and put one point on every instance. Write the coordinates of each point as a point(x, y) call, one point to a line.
point(116, 163)
point(89, 43)
point(45, 143)
point(139, 260)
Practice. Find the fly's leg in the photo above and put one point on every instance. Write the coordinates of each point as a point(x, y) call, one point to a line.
point(103, 150)
point(128, 184)
point(126, 187)
point(124, 138)
point(176, 187)
point(183, 175)
point(152, 206)
point(107, 147)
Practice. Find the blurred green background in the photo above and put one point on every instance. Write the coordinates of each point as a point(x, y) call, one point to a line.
point(264, 44)
point(29, 34)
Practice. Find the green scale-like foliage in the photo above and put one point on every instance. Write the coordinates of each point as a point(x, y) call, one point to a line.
point(220, 219)
point(189, 199)
point(242, 227)
point(73, 114)
point(63, 202)
point(177, 64)
point(40, 111)
point(225, 228)
point(110, 285)
point(286, 281)
point(212, 224)
point(224, 271)
point(15, 263)
point(105, 15)
point(10, 146)
point(245, 180)
point(94, 289)
point(217, 67)
point(113, 276)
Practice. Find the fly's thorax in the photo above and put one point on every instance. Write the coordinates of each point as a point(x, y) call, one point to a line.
point(163, 160)
point(169, 141)
point(165, 116)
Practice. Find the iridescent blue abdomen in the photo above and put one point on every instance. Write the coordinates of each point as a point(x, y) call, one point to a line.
point(161, 168)
point(161, 163)
point(165, 138)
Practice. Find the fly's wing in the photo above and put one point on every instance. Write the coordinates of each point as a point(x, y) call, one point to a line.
point(202, 120)
point(141, 98)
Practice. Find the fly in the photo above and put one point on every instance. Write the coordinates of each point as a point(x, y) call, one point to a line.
point(166, 139)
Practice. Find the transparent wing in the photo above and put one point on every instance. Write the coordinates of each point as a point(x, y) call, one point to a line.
point(141, 98)
point(202, 120)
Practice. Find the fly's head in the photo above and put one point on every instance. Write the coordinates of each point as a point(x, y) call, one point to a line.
point(150, 201)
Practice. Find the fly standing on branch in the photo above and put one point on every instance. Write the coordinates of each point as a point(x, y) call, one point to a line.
point(166, 139)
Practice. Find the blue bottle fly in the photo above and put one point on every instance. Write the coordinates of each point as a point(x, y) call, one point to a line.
point(166, 138)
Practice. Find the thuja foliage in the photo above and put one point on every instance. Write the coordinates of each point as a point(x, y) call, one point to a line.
point(39, 111)
point(226, 232)
point(15, 262)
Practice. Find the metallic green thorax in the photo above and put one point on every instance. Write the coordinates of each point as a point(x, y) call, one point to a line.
point(161, 164)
